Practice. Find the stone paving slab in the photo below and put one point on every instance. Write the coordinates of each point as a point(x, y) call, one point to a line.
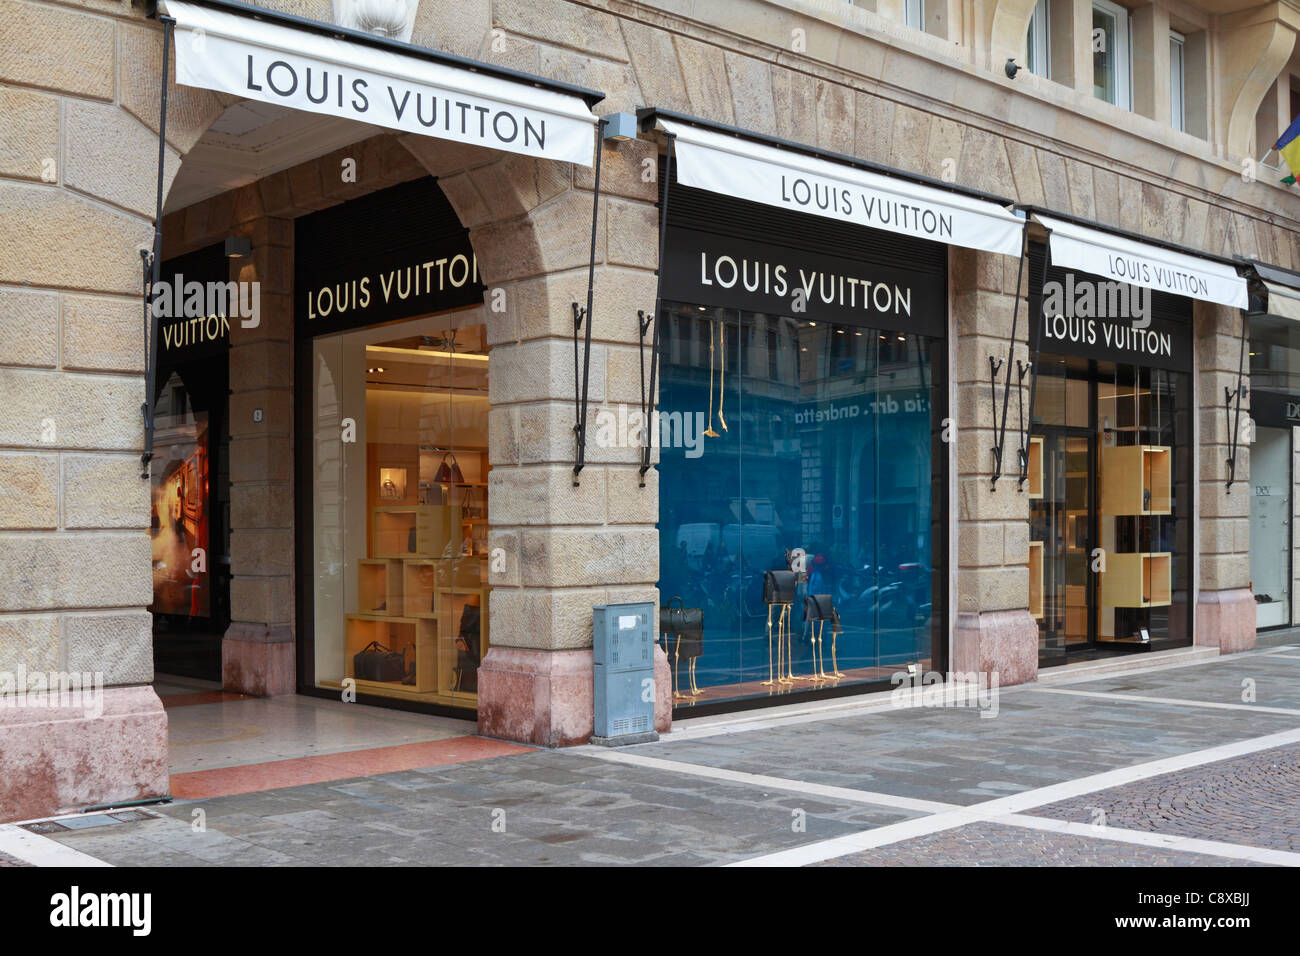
point(1252, 800)
point(996, 844)
point(954, 755)
point(559, 809)
point(1275, 681)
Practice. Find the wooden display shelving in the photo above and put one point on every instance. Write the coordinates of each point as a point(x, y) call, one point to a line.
point(1137, 579)
point(391, 527)
point(395, 633)
point(1035, 483)
point(451, 606)
point(1036, 579)
point(1135, 480)
point(379, 586)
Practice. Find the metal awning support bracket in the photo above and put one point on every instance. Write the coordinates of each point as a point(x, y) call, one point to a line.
point(152, 261)
point(1231, 395)
point(582, 324)
point(650, 401)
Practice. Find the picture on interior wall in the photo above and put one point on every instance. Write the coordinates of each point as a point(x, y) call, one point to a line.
point(392, 484)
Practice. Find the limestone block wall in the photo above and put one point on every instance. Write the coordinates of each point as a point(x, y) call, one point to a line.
point(1225, 611)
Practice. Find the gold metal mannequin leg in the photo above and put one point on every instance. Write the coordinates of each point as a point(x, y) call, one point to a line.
point(722, 371)
point(782, 645)
point(695, 690)
point(709, 432)
point(819, 656)
point(835, 664)
point(677, 681)
point(769, 682)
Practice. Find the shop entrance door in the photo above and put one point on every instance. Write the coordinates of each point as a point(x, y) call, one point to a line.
point(1270, 526)
point(1064, 520)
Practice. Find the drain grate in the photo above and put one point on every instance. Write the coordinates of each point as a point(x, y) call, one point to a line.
point(88, 821)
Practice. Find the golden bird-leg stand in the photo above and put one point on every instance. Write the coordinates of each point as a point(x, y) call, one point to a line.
point(695, 690)
point(770, 681)
point(819, 653)
point(790, 677)
point(722, 371)
point(709, 432)
point(835, 663)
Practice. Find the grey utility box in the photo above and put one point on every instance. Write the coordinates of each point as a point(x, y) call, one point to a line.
point(623, 654)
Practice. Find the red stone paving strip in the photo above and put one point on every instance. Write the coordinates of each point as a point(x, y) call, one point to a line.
point(200, 697)
point(324, 768)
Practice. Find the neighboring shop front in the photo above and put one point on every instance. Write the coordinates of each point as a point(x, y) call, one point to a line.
point(189, 522)
point(1275, 413)
point(1113, 454)
point(803, 389)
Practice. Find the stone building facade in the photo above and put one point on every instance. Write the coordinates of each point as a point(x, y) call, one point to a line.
point(79, 113)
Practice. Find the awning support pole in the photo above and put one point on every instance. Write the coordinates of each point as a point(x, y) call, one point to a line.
point(999, 442)
point(1234, 420)
point(153, 261)
point(650, 399)
point(580, 316)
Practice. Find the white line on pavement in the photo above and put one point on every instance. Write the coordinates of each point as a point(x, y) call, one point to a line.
point(1168, 841)
point(40, 850)
point(1180, 701)
point(1016, 803)
point(773, 783)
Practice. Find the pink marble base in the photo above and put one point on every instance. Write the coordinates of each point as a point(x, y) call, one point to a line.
point(545, 698)
point(258, 661)
point(1005, 642)
point(59, 759)
point(1226, 620)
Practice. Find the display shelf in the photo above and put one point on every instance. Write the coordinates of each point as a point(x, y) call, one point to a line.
point(1036, 579)
point(452, 602)
point(1035, 469)
point(392, 526)
point(397, 634)
point(379, 586)
point(1137, 579)
point(1076, 609)
point(1135, 480)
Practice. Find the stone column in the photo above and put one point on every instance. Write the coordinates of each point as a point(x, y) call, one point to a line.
point(564, 547)
point(995, 633)
point(257, 653)
point(1225, 607)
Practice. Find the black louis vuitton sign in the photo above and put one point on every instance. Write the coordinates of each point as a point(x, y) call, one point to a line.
point(395, 254)
point(708, 269)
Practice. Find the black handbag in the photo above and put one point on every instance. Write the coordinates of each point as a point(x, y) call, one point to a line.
point(817, 607)
point(778, 587)
point(685, 627)
point(467, 650)
point(376, 662)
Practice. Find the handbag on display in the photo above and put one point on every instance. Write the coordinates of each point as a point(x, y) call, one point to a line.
point(467, 649)
point(818, 607)
point(376, 662)
point(836, 626)
point(685, 625)
point(471, 506)
point(449, 474)
point(778, 587)
point(410, 540)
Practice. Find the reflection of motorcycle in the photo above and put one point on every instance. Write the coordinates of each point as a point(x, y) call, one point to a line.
point(878, 595)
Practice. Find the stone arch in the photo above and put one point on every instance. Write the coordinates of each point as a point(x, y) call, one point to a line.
point(1008, 27)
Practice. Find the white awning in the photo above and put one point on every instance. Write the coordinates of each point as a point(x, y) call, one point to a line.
point(759, 172)
point(1283, 301)
point(1137, 263)
point(304, 70)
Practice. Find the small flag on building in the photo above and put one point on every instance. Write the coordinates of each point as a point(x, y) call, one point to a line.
point(1288, 145)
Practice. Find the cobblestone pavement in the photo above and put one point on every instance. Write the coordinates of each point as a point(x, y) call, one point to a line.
point(7, 860)
point(1252, 800)
point(695, 806)
point(994, 844)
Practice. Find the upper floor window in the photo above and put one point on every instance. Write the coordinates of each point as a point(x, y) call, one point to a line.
point(1111, 67)
point(1039, 45)
point(914, 14)
point(1177, 82)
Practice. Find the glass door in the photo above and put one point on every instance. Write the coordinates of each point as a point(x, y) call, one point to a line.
point(1270, 526)
point(1062, 520)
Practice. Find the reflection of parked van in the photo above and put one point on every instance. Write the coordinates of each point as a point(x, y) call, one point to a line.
point(697, 537)
point(761, 543)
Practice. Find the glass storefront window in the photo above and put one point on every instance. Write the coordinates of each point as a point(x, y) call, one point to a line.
point(400, 424)
point(783, 433)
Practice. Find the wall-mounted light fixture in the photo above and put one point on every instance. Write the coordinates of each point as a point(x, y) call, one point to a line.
point(238, 247)
point(620, 127)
